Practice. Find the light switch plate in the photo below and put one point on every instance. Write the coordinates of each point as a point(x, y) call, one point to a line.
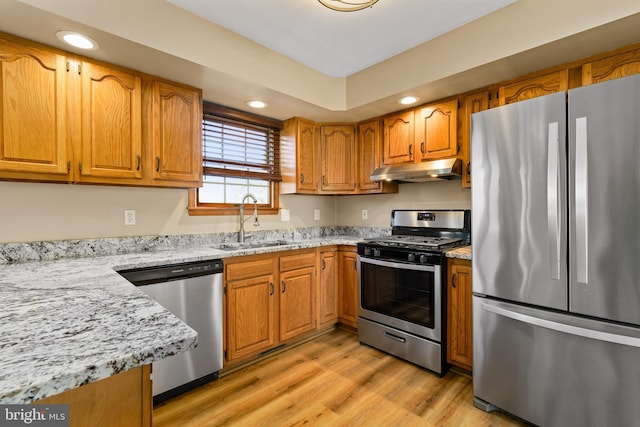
point(365, 214)
point(316, 214)
point(285, 215)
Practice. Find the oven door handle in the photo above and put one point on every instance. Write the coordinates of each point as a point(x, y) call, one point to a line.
point(400, 265)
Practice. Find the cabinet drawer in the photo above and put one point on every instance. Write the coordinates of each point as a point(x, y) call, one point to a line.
point(248, 269)
point(292, 262)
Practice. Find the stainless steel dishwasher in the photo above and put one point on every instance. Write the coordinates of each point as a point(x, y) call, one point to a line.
point(193, 293)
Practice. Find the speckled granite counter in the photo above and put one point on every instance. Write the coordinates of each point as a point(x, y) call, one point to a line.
point(463, 252)
point(69, 322)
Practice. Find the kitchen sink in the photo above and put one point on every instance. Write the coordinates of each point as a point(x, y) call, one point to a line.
point(252, 245)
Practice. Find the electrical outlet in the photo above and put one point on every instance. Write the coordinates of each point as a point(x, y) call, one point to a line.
point(285, 215)
point(365, 214)
point(129, 217)
point(316, 214)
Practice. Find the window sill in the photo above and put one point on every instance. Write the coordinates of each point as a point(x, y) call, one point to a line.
point(203, 210)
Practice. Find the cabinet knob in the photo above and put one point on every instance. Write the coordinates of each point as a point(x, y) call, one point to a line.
point(411, 149)
point(422, 147)
point(284, 286)
point(272, 288)
point(301, 178)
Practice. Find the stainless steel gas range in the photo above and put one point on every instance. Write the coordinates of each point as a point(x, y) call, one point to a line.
point(402, 283)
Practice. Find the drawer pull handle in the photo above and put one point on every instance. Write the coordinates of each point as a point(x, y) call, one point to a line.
point(394, 337)
point(284, 286)
point(272, 288)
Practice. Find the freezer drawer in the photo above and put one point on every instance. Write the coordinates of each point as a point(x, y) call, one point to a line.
point(554, 369)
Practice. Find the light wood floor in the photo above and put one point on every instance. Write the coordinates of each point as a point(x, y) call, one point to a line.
point(330, 381)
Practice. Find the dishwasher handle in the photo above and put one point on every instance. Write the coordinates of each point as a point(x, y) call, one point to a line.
point(170, 272)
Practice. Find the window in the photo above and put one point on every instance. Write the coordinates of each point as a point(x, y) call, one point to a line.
point(240, 155)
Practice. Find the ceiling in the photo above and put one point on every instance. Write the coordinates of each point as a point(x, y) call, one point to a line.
point(337, 43)
point(476, 48)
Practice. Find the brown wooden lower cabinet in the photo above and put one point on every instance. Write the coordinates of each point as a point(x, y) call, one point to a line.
point(327, 300)
point(269, 299)
point(124, 399)
point(459, 319)
point(348, 286)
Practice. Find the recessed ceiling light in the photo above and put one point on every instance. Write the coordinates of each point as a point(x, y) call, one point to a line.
point(256, 104)
point(77, 40)
point(408, 100)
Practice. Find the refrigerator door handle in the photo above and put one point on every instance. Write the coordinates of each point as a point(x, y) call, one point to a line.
point(582, 202)
point(563, 327)
point(553, 200)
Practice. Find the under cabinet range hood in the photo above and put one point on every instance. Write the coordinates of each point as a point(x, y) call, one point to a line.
point(434, 170)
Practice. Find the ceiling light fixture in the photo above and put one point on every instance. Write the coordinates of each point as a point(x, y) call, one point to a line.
point(256, 104)
point(347, 5)
point(77, 40)
point(407, 100)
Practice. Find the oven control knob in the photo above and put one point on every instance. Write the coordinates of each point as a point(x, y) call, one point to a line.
point(411, 258)
point(423, 259)
point(367, 251)
point(376, 252)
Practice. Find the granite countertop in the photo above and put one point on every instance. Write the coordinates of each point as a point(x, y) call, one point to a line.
point(69, 322)
point(462, 252)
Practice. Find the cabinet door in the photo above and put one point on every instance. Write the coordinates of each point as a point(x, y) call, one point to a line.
point(297, 296)
point(176, 132)
point(328, 289)
point(436, 130)
point(369, 155)
point(470, 103)
point(338, 154)
point(611, 67)
point(459, 344)
point(33, 117)
point(251, 316)
point(348, 288)
point(307, 157)
point(556, 81)
point(398, 138)
point(111, 135)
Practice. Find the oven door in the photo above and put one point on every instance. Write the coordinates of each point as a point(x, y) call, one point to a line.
point(407, 297)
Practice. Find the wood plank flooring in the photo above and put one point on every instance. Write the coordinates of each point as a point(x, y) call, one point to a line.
point(330, 381)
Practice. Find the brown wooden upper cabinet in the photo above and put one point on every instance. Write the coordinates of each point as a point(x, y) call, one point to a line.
point(176, 133)
point(426, 133)
point(71, 119)
point(298, 157)
point(338, 158)
point(34, 126)
point(398, 138)
point(611, 67)
point(469, 103)
point(370, 158)
point(436, 131)
point(532, 87)
point(330, 158)
point(111, 111)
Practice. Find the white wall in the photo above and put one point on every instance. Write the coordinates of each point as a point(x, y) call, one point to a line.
point(428, 195)
point(37, 212)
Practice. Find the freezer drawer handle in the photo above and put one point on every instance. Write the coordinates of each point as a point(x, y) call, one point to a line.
point(582, 202)
point(394, 337)
point(561, 327)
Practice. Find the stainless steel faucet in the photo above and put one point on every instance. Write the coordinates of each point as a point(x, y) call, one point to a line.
point(243, 220)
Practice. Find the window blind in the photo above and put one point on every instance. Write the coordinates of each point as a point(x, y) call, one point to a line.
point(240, 149)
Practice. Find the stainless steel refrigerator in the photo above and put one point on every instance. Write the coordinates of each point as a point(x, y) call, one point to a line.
point(556, 256)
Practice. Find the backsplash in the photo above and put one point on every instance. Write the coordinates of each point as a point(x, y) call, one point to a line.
point(78, 248)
